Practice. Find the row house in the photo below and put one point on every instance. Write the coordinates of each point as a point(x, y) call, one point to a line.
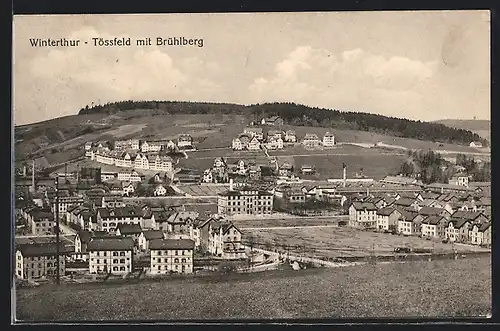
point(108, 219)
point(290, 136)
point(245, 201)
point(387, 219)
point(457, 230)
point(362, 215)
point(433, 227)
point(311, 140)
point(171, 255)
point(39, 261)
point(123, 160)
point(473, 217)
point(328, 140)
point(132, 144)
point(110, 255)
point(410, 223)
point(151, 146)
point(480, 234)
point(254, 132)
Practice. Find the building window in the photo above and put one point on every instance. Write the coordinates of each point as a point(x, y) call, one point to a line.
point(122, 260)
point(122, 253)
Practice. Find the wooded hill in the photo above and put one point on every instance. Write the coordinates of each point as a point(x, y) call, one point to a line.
point(300, 115)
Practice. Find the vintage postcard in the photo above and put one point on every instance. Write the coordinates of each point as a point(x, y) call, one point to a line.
point(243, 166)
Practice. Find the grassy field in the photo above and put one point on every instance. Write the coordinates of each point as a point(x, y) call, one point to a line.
point(375, 165)
point(203, 190)
point(344, 241)
point(416, 289)
point(302, 221)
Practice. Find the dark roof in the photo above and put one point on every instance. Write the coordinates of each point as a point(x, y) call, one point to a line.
point(45, 249)
point(429, 211)
point(163, 244)
point(129, 228)
point(466, 215)
point(85, 236)
point(433, 220)
point(458, 223)
point(485, 226)
point(404, 202)
point(111, 244)
point(153, 234)
point(386, 211)
point(120, 212)
point(409, 215)
point(364, 205)
point(41, 215)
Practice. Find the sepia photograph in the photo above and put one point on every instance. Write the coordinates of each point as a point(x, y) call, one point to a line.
point(251, 166)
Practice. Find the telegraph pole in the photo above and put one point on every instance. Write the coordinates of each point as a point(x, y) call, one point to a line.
point(58, 279)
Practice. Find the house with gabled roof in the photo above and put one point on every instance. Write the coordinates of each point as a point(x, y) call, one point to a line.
point(254, 144)
point(110, 255)
point(273, 120)
point(433, 211)
point(146, 236)
point(171, 256)
point(410, 223)
point(480, 234)
point(473, 217)
point(387, 219)
point(434, 227)
point(362, 215)
point(457, 230)
point(290, 136)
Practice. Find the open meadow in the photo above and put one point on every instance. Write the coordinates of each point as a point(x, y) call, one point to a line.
point(403, 290)
point(340, 242)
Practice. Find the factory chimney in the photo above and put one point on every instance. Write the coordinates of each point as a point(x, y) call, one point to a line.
point(33, 176)
point(230, 184)
point(24, 171)
point(345, 174)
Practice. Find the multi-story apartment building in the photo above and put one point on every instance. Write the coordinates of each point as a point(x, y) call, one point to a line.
point(311, 140)
point(480, 234)
point(35, 261)
point(111, 255)
point(171, 255)
point(387, 219)
point(150, 146)
point(457, 231)
point(329, 140)
point(108, 219)
point(434, 227)
point(42, 222)
point(245, 201)
point(363, 215)
point(65, 202)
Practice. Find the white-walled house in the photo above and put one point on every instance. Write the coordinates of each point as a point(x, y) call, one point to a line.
point(329, 140)
point(160, 190)
point(171, 255)
point(236, 144)
point(362, 215)
point(110, 255)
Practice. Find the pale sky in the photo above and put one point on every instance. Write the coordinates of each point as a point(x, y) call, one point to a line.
point(418, 65)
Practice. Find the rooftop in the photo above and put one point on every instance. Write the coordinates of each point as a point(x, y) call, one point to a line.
point(167, 244)
point(111, 244)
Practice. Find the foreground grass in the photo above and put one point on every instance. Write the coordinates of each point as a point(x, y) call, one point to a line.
point(431, 289)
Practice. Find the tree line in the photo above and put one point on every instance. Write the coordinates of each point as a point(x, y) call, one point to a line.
point(430, 167)
point(300, 115)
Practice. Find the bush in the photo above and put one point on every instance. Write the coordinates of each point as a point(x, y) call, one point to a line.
point(226, 268)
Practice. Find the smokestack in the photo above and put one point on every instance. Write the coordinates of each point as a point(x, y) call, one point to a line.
point(230, 184)
point(33, 176)
point(345, 174)
point(24, 171)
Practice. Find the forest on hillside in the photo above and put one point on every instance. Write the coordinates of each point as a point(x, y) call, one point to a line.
point(300, 115)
